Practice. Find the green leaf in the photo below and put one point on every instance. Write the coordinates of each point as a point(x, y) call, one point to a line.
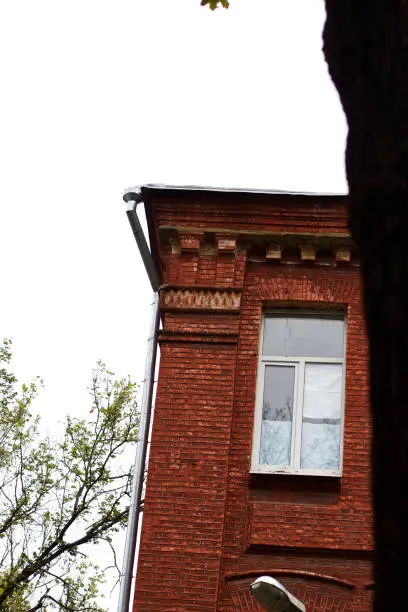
point(213, 4)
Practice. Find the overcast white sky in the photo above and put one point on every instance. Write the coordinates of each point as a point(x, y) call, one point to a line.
point(97, 96)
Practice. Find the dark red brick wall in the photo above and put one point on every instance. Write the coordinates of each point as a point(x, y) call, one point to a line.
point(340, 521)
point(210, 527)
point(180, 553)
point(296, 513)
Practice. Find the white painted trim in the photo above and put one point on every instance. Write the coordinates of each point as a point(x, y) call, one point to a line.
point(298, 359)
point(270, 469)
point(343, 395)
point(256, 435)
point(297, 418)
point(299, 363)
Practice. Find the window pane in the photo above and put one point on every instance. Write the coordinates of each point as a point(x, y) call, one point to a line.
point(303, 336)
point(321, 426)
point(277, 414)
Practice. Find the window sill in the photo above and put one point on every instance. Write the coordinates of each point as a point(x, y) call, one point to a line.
point(294, 488)
point(288, 472)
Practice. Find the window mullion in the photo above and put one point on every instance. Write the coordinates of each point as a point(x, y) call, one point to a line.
point(298, 414)
point(258, 415)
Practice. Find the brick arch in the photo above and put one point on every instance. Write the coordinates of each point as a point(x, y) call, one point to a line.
point(362, 600)
point(302, 289)
point(318, 593)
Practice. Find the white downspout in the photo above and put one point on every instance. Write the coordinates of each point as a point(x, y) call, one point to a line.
point(133, 197)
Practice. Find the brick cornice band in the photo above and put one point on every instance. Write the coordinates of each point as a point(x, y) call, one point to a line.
point(224, 300)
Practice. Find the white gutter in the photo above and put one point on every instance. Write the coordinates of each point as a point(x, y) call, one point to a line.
point(133, 197)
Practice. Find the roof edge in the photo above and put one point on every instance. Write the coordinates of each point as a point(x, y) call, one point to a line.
point(160, 188)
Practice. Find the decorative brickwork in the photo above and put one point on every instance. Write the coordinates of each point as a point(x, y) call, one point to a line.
point(190, 243)
point(210, 527)
point(317, 595)
point(199, 299)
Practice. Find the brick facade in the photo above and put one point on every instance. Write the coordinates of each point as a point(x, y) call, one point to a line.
point(210, 526)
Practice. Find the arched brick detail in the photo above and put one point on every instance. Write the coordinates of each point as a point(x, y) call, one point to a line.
point(241, 597)
point(283, 288)
point(317, 595)
point(362, 600)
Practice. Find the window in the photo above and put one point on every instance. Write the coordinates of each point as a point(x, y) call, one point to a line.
point(299, 407)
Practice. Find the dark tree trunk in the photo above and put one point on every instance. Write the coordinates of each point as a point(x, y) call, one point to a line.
point(366, 47)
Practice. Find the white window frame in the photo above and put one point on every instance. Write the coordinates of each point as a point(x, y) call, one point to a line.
point(299, 364)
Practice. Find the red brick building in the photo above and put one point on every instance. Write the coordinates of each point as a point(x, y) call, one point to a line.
point(259, 459)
